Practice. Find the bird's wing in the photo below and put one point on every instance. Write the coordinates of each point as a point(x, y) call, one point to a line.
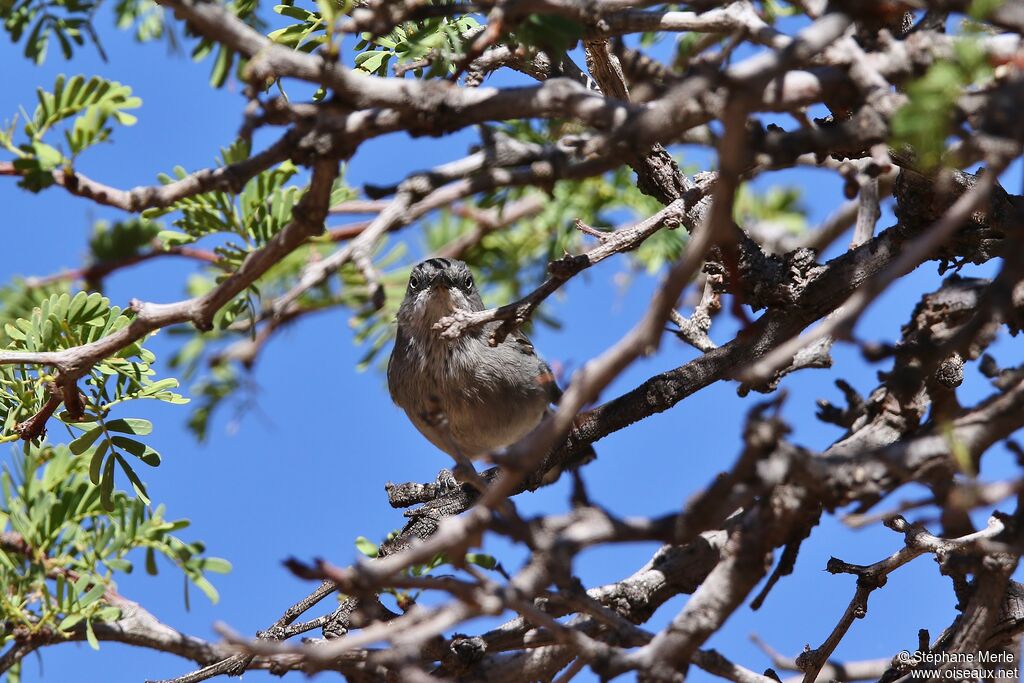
point(545, 377)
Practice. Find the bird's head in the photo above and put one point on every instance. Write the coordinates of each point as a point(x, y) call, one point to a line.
point(438, 287)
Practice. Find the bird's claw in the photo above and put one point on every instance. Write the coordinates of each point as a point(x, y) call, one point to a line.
point(447, 481)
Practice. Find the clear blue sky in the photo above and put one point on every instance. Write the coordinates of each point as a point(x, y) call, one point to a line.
point(303, 474)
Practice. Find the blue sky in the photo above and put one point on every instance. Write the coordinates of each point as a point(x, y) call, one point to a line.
point(303, 475)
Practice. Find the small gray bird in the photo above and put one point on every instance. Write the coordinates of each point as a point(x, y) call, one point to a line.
point(468, 398)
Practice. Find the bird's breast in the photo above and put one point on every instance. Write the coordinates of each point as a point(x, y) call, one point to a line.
point(462, 394)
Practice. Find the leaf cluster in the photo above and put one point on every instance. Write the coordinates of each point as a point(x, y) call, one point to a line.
point(59, 576)
point(405, 599)
point(90, 105)
point(440, 42)
point(926, 121)
point(121, 240)
point(68, 22)
point(61, 322)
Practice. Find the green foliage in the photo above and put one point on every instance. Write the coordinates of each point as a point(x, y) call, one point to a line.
point(248, 221)
point(256, 215)
point(61, 499)
point(481, 560)
point(20, 297)
point(210, 392)
point(93, 97)
point(70, 23)
point(307, 35)
point(688, 46)
point(102, 444)
point(549, 32)
point(62, 575)
point(219, 383)
point(62, 321)
point(982, 9)
point(372, 327)
point(366, 546)
point(780, 206)
point(66, 21)
point(226, 58)
point(441, 39)
point(245, 223)
point(774, 10)
point(121, 239)
point(242, 225)
point(216, 383)
point(93, 103)
point(145, 16)
point(369, 549)
point(925, 122)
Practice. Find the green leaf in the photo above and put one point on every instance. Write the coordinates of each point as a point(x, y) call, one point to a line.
point(96, 462)
point(119, 564)
point(295, 12)
point(92, 595)
point(981, 9)
point(217, 565)
point(141, 451)
point(93, 103)
point(366, 546)
point(375, 61)
point(925, 122)
point(121, 239)
point(329, 10)
point(203, 584)
point(131, 425)
point(69, 622)
point(140, 488)
point(49, 157)
point(482, 560)
point(110, 613)
point(107, 486)
point(90, 636)
point(222, 66)
point(550, 32)
point(173, 238)
point(82, 443)
point(961, 453)
point(36, 173)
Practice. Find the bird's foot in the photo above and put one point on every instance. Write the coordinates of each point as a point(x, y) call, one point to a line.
point(447, 481)
point(464, 473)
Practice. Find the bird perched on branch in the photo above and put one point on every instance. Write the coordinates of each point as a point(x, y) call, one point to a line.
point(470, 399)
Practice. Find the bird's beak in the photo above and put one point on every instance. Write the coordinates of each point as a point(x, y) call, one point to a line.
point(441, 281)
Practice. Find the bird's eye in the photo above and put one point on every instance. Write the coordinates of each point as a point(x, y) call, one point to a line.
point(414, 281)
point(468, 282)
